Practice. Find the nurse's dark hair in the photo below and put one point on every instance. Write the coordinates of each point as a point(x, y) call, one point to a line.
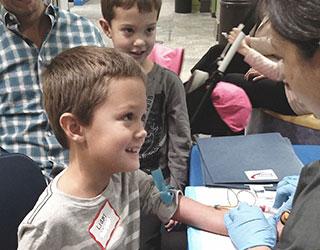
point(297, 21)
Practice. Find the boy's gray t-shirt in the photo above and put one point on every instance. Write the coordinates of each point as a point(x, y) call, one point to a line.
point(108, 221)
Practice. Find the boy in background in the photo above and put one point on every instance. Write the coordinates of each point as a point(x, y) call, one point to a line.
point(96, 108)
point(131, 25)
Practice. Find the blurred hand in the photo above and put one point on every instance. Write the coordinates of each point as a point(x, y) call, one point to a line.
point(248, 227)
point(243, 47)
point(253, 75)
point(285, 193)
point(170, 225)
point(285, 189)
point(233, 34)
point(256, 78)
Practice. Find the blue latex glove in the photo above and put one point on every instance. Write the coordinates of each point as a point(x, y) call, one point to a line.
point(285, 192)
point(248, 227)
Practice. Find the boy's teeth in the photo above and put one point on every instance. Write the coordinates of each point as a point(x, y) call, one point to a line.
point(132, 150)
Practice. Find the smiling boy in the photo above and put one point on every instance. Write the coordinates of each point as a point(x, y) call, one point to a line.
point(96, 107)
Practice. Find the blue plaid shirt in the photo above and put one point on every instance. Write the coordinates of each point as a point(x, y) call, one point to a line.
point(24, 126)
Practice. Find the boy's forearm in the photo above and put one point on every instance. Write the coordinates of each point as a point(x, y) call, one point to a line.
point(201, 216)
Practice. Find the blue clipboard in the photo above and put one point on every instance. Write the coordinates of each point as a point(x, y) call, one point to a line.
point(227, 159)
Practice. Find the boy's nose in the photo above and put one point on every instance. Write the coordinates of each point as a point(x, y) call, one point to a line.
point(141, 134)
point(139, 42)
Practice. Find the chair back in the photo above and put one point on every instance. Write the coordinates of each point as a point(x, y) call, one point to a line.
point(21, 183)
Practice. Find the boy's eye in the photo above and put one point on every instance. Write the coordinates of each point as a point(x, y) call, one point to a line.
point(151, 29)
point(143, 119)
point(128, 117)
point(127, 30)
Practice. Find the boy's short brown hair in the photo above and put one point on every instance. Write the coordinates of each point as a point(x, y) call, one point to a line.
point(77, 80)
point(107, 6)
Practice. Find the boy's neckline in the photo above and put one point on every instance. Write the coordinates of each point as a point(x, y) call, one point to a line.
point(66, 185)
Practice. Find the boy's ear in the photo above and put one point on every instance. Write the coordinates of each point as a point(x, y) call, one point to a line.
point(72, 127)
point(106, 27)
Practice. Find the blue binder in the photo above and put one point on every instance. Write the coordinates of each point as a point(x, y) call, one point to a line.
point(225, 160)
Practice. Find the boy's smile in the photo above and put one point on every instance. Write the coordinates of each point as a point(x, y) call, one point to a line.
point(132, 32)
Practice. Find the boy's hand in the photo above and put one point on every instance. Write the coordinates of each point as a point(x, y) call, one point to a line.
point(248, 227)
point(170, 225)
point(244, 47)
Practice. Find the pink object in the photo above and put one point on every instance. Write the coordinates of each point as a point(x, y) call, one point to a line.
point(168, 58)
point(232, 104)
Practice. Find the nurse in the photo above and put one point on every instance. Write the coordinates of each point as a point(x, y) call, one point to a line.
point(296, 37)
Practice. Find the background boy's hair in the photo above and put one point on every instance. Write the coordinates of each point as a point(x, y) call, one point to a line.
point(77, 81)
point(144, 6)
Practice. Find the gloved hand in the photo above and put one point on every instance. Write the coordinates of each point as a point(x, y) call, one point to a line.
point(248, 227)
point(285, 192)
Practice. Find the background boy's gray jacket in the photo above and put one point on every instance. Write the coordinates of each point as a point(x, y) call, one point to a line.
point(168, 141)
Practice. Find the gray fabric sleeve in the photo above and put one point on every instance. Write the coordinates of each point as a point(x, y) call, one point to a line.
point(34, 237)
point(150, 199)
point(179, 135)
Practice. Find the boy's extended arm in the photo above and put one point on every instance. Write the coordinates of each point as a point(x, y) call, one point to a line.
point(201, 216)
point(249, 227)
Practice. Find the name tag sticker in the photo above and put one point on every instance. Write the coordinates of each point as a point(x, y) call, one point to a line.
point(261, 175)
point(104, 224)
